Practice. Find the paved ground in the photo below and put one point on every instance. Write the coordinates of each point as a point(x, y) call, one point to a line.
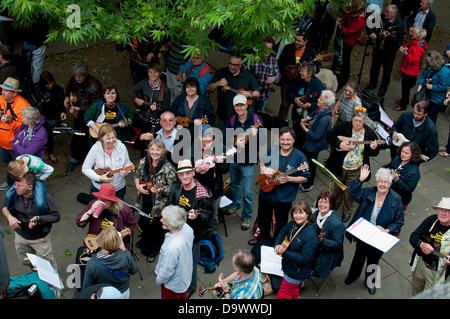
point(395, 272)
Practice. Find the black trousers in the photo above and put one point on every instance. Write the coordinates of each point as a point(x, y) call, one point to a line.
point(312, 167)
point(79, 146)
point(408, 82)
point(364, 253)
point(265, 212)
point(383, 58)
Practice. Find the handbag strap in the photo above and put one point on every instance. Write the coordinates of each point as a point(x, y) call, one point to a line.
point(113, 272)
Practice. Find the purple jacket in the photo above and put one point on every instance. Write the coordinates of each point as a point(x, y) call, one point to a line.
point(36, 146)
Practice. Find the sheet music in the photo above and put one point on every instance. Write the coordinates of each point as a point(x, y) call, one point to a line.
point(225, 201)
point(385, 118)
point(372, 235)
point(46, 271)
point(270, 262)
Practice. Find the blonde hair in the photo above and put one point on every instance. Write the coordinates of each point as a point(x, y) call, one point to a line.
point(419, 33)
point(15, 169)
point(159, 144)
point(106, 129)
point(109, 239)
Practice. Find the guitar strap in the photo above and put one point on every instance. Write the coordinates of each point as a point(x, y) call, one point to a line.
point(287, 161)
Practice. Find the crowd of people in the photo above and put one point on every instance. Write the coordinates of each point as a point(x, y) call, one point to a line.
point(187, 148)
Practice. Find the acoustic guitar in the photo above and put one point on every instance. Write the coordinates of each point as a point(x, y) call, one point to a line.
point(352, 141)
point(91, 239)
point(267, 184)
point(186, 121)
point(210, 160)
point(101, 171)
point(94, 134)
point(239, 91)
point(292, 71)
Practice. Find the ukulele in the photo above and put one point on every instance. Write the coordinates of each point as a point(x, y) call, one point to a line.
point(239, 91)
point(94, 134)
point(210, 160)
point(91, 243)
point(402, 139)
point(185, 121)
point(148, 185)
point(292, 71)
point(247, 132)
point(352, 141)
point(145, 98)
point(73, 100)
point(304, 98)
point(101, 171)
point(267, 184)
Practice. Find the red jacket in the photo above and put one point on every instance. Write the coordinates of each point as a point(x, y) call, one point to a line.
point(352, 27)
point(411, 62)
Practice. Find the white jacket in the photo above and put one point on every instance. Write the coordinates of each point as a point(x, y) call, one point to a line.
point(97, 158)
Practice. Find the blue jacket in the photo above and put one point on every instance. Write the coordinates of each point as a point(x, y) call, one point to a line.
point(391, 215)
point(331, 251)
point(316, 137)
point(204, 108)
point(409, 177)
point(296, 90)
point(440, 81)
point(297, 260)
point(425, 135)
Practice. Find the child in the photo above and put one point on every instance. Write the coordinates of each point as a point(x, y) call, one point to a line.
point(18, 168)
point(29, 163)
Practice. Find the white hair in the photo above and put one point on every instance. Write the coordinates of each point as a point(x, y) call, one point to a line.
point(328, 97)
point(174, 215)
point(384, 172)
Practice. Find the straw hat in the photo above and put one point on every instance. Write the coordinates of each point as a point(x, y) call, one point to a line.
point(107, 192)
point(11, 84)
point(444, 203)
point(184, 166)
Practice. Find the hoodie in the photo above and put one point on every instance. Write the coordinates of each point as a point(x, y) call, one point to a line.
point(122, 261)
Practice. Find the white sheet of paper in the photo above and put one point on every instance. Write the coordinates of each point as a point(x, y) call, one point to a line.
point(372, 235)
point(385, 118)
point(46, 271)
point(224, 202)
point(270, 262)
point(383, 133)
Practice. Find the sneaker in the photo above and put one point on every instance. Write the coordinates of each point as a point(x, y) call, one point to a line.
point(245, 224)
point(301, 188)
point(4, 186)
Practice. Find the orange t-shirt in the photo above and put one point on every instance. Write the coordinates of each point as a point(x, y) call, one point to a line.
point(299, 53)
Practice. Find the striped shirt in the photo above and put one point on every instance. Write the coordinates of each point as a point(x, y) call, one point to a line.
point(250, 288)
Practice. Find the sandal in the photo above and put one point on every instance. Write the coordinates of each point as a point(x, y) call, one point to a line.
point(444, 154)
point(442, 148)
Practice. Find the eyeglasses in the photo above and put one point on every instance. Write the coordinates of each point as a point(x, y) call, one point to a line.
point(236, 65)
point(167, 120)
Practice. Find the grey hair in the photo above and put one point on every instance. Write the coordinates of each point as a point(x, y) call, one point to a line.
point(31, 115)
point(393, 8)
point(310, 68)
point(430, 2)
point(328, 97)
point(80, 68)
point(174, 215)
point(384, 172)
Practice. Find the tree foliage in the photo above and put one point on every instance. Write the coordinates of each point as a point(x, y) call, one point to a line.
point(243, 22)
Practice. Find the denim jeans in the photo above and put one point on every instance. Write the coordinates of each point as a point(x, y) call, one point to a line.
point(241, 180)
